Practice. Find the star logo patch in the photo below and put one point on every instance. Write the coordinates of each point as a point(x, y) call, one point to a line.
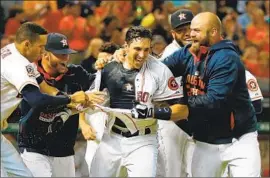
point(182, 16)
point(64, 42)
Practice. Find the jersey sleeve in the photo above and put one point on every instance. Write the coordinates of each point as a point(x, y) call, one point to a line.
point(253, 87)
point(168, 87)
point(21, 75)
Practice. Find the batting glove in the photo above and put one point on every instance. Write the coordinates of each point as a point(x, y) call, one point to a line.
point(141, 111)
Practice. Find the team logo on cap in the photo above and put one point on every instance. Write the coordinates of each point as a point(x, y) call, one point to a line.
point(64, 42)
point(182, 16)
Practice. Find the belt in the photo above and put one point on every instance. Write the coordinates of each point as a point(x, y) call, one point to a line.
point(128, 133)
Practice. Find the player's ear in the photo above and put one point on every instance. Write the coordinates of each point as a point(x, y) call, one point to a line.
point(26, 43)
point(45, 55)
point(125, 45)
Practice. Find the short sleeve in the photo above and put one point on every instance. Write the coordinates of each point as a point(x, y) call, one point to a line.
point(20, 76)
point(168, 87)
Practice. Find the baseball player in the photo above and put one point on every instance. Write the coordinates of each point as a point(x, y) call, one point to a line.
point(175, 145)
point(18, 78)
point(93, 125)
point(221, 115)
point(131, 142)
point(47, 135)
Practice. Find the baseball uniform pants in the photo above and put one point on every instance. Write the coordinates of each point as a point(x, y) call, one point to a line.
point(137, 154)
point(241, 158)
point(47, 166)
point(12, 164)
point(175, 150)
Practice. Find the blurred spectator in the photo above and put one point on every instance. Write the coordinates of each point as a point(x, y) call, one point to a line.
point(158, 45)
point(122, 10)
point(258, 31)
point(194, 6)
point(157, 20)
point(111, 32)
point(86, 9)
point(91, 55)
point(232, 29)
point(77, 29)
point(251, 59)
point(267, 11)
point(53, 18)
point(36, 11)
point(245, 19)
point(4, 41)
point(209, 6)
point(16, 16)
point(107, 50)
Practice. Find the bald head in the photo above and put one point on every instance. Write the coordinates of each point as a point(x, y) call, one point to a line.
point(208, 20)
point(206, 28)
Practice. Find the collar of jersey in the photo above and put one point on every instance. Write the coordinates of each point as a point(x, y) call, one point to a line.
point(45, 74)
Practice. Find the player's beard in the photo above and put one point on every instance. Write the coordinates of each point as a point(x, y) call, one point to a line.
point(57, 67)
point(206, 40)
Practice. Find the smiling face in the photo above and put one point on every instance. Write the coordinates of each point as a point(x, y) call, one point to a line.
point(200, 34)
point(137, 52)
point(182, 35)
point(58, 62)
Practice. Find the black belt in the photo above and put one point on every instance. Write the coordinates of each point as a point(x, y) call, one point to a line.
point(128, 133)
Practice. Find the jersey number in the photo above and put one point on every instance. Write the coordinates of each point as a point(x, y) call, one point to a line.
point(142, 96)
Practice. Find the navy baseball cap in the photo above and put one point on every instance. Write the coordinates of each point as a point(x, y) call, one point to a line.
point(180, 18)
point(58, 44)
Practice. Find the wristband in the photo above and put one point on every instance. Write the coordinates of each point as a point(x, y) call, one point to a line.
point(163, 113)
point(39, 79)
point(63, 93)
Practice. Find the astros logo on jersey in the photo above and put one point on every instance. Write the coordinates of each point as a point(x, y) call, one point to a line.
point(172, 84)
point(252, 85)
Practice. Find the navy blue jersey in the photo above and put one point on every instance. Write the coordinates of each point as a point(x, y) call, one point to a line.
point(120, 83)
point(35, 132)
point(216, 91)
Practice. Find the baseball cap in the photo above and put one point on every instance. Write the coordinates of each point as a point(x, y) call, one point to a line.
point(181, 17)
point(58, 44)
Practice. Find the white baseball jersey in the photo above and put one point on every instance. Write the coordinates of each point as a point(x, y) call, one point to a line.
point(171, 48)
point(154, 82)
point(253, 87)
point(16, 72)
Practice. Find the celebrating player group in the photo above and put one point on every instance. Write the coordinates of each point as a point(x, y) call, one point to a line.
point(191, 112)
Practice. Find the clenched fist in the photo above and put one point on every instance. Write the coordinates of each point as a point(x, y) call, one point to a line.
point(79, 97)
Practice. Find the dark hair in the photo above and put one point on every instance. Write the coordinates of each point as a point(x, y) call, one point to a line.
point(138, 32)
point(14, 11)
point(108, 20)
point(29, 31)
point(109, 47)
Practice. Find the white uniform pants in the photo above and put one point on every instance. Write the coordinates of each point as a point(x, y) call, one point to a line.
point(175, 150)
point(137, 154)
point(241, 158)
point(97, 121)
point(47, 166)
point(11, 162)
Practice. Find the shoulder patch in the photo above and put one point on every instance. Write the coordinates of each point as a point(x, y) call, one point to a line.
point(252, 85)
point(172, 84)
point(30, 70)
